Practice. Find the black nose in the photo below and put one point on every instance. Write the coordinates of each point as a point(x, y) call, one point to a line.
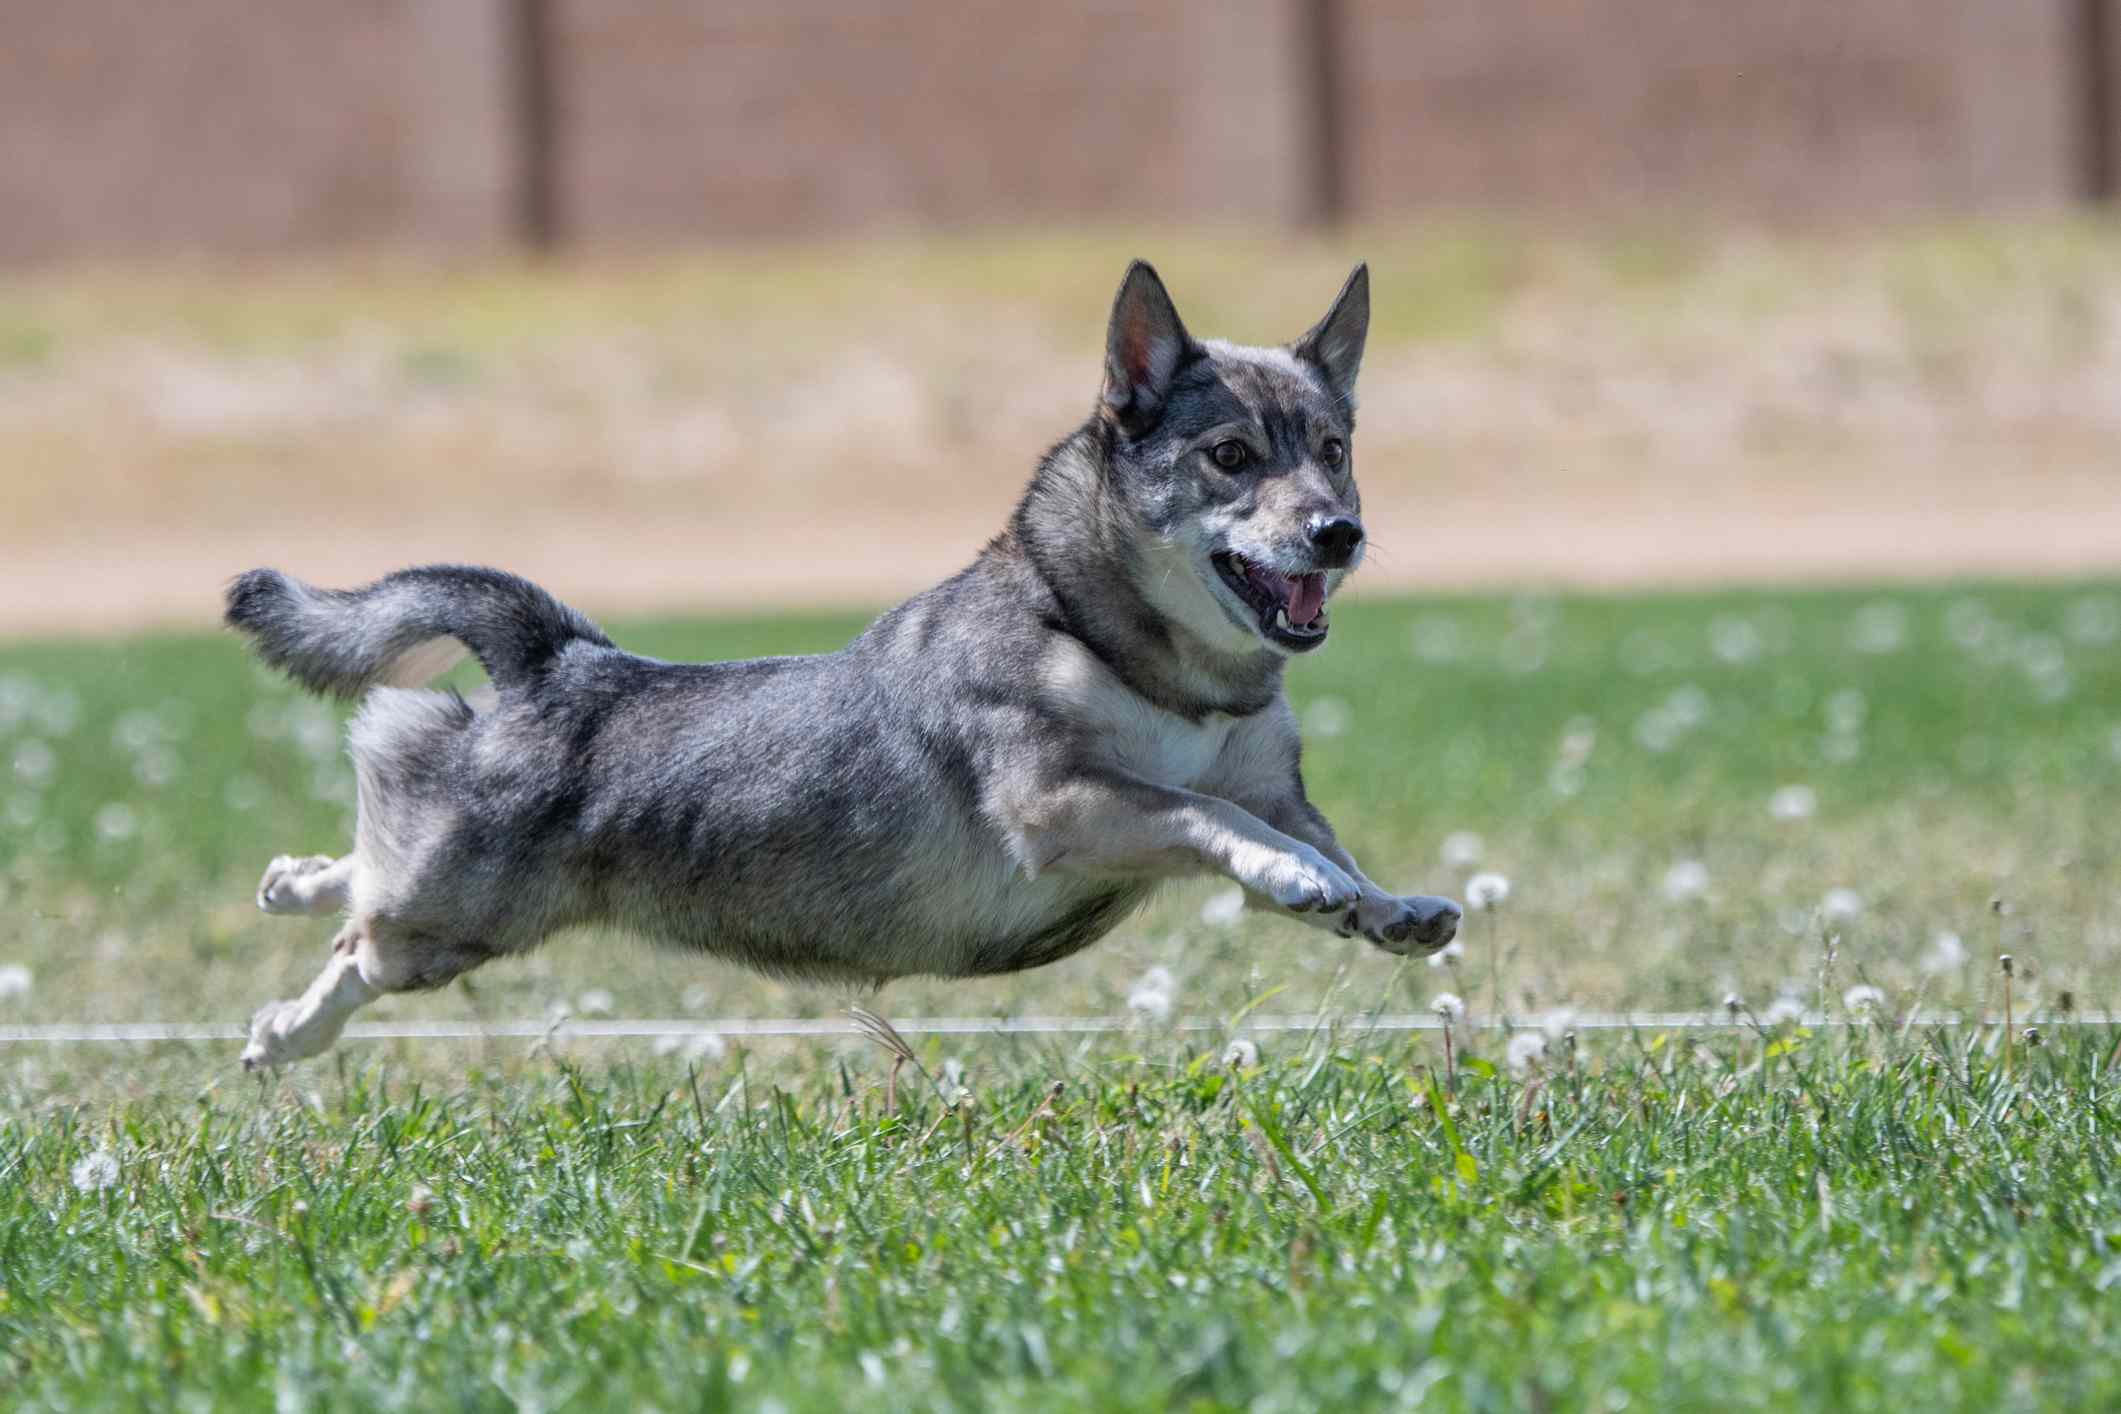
point(1336, 535)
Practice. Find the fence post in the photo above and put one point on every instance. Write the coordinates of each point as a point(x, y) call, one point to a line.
point(1323, 111)
point(2097, 59)
point(537, 215)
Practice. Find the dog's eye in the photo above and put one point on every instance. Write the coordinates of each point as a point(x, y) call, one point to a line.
point(1231, 455)
point(1334, 452)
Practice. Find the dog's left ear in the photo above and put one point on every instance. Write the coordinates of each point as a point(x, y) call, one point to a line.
point(1335, 343)
point(1145, 346)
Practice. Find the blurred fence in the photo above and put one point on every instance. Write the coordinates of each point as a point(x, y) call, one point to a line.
point(222, 125)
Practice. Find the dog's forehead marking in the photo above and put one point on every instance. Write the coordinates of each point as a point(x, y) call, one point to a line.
point(1270, 381)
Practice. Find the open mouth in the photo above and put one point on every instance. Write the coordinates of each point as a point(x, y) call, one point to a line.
point(1291, 608)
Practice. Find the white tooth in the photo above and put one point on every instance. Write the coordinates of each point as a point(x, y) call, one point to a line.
point(1281, 618)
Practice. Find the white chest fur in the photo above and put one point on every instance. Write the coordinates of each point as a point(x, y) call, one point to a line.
point(1136, 736)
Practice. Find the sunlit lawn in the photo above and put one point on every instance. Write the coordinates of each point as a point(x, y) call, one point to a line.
point(1789, 797)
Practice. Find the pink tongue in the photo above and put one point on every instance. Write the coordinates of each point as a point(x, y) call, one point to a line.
point(1307, 595)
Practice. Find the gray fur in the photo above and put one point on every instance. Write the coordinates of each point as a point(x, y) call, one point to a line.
point(991, 777)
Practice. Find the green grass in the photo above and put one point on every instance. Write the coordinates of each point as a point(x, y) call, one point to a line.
point(1853, 1219)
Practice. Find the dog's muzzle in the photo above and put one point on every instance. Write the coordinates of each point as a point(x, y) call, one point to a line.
point(1291, 608)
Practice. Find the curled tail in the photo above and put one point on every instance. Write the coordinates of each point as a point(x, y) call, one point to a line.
point(396, 631)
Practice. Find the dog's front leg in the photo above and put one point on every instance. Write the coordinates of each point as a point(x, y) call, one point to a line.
point(1416, 923)
point(1111, 825)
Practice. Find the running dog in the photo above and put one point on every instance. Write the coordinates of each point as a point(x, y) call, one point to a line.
point(990, 778)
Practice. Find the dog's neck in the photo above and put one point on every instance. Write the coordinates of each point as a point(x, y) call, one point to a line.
point(1085, 545)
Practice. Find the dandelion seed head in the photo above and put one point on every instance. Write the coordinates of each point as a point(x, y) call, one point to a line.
point(1793, 803)
point(2095, 619)
point(1863, 997)
point(35, 761)
point(1841, 904)
point(1241, 1054)
point(1686, 880)
point(1846, 711)
point(595, 1002)
point(1327, 717)
point(116, 823)
point(1150, 996)
point(1556, 1023)
point(1735, 640)
point(1223, 908)
point(1462, 848)
point(1733, 1003)
point(1487, 890)
point(96, 1172)
point(1525, 1050)
point(15, 980)
point(1437, 639)
point(1784, 1008)
point(1879, 627)
point(1947, 953)
point(1449, 954)
point(1447, 1005)
point(706, 1046)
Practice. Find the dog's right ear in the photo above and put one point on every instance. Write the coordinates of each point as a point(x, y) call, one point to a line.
point(1145, 347)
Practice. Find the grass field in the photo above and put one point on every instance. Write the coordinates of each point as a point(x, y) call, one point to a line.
point(1785, 796)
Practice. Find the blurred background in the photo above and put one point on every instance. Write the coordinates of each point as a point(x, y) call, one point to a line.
point(748, 304)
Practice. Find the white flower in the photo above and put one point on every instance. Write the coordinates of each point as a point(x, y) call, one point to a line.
point(1461, 849)
point(1328, 716)
point(1863, 997)
point(1688, 879)
point(1447, 1005)
point(1486, 891)
point(96, 1172)
point(706, 1046)
point(1879, 628)
point(1841, 904)
point(595, 1002)
point(1845, 712)
point(1556, 1023)
point(1783, 1008)
point(1793, 803)
point(1448, 954)
point(1733, 1003)
point(1734, 640)
point(15, 980)
point(1150, 997)
point(1525, 1050)
point(1946, 954)
point(2095, 618)
point(35, 762)
point(1240, 1054)
point(1223, 909)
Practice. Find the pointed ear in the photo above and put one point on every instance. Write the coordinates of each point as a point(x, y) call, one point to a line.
point(1144, 348)
point(1335, 343)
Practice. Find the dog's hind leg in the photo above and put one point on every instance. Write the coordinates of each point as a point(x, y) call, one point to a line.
point(306, 884)
point(369, 957)
point(307, 1025)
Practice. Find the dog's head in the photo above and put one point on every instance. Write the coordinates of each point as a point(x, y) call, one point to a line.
point(1239, 465)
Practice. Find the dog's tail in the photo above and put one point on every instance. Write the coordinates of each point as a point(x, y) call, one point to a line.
point(398, 631)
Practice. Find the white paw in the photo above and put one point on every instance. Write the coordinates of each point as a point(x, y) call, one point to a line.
point(276, 1038)
point(280, 891)
point(1418, 924)
point(1305, 881)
